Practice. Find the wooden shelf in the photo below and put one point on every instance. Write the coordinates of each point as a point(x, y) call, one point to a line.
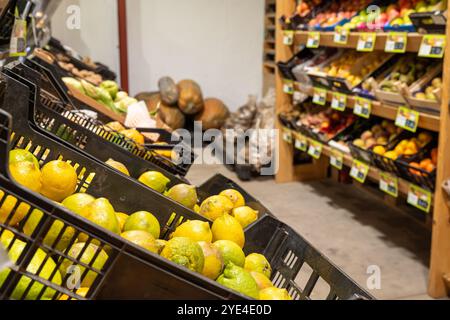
point(327, 40)
point(374, 173)
point(439, 284)
point(427, 121)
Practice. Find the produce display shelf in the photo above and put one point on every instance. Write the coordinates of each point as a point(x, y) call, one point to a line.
point(427, 121)
point(374, 173)
point(131, 272)
point(327, 40)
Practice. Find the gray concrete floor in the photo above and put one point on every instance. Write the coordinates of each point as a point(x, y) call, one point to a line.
point(350, 226)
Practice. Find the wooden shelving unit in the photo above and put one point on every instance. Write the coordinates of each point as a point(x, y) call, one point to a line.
point(439, 284)
point(269, 52)
point(327, 40)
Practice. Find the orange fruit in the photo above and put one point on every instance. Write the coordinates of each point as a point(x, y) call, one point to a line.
point(59, 180)
point(415, 165)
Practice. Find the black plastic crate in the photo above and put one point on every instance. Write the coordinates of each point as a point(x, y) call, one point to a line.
point(290, 255)
point(286, 67)
point(430, 22)
point(54, 92)
point(55, 46)
point(418, 176)
point(130, 272)
point(133, 273)
point(99, 145)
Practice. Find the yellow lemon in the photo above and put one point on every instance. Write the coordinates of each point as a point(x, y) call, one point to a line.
point(118, 166)
point(257, 262)
point(245, 215)
point(194, 230)
point(155, 180)
point(274, 294)
point(134, 135)
point(144, 221)
point(261, 280)
point(228, 228)
point(121, 218)
point(142, 239)
point(59, 180)
point(77, 202)
point(213, 261)
point(27, 175)
point(235, 197)
point(215, 207)
point(20, 155)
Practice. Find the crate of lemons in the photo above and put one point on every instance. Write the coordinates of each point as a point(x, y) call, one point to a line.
point(214, 251)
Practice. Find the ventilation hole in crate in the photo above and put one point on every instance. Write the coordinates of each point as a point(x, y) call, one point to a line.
point(275, 277)
point(303, 276)
point(321, 290)
point(287, 257)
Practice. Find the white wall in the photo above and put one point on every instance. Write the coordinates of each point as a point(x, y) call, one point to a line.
point(218, 43)
point(98, 36)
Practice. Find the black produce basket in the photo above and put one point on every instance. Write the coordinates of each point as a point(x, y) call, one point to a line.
point(129, 272)
point(55, 47)
point(290, 256)
point(219, 183)
point(418, 176)
point(430, 22)
point(286, 67)
point(99, 145)
point(53, 93)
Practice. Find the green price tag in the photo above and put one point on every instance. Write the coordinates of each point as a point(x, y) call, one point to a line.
point(419, 198)
point(288, 37)
point(389, 184)
point(339, 101)
point(315, 149)
point(433, 46)
point(288, 87)
point(287, 135)
point(337, 159)
point(320, 96)
point(396, 42)
point(407, 119)
point(341, 35)
point(18, 42)
point(366, 42)
point(313, 40)
point(363, 107)
point(359, 171)
point(301, 143)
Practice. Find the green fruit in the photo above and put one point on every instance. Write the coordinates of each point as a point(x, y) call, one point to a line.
point(184, 252)
point(144, 221)
point(35, 265)
point(90, 252)
point(184, 194)
point(155, 180)
point(231, 252)
point(237, 279)
point(111, 87)
point(53, 234)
